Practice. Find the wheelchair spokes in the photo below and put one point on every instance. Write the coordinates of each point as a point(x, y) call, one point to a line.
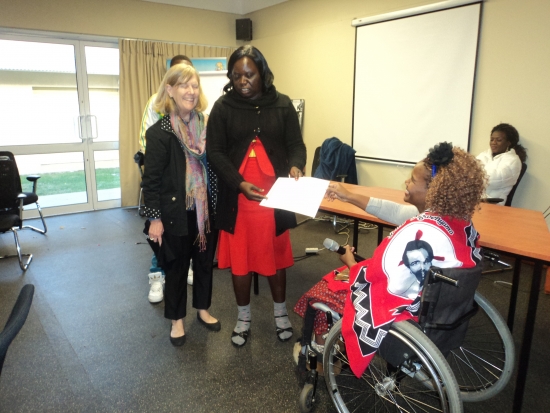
point(416, 386)
point(483, 364)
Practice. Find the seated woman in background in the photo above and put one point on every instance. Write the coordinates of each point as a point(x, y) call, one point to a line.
point(502, 161)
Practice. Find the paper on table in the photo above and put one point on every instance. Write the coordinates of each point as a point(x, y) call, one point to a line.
point(303, 196)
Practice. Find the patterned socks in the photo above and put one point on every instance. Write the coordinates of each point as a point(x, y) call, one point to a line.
point(284, 328)
point(241, 331)
point(243, 326)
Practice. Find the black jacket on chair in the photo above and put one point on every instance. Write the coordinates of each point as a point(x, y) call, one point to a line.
point(337, 158)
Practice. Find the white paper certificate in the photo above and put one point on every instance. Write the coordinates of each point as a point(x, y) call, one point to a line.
point(303, 196)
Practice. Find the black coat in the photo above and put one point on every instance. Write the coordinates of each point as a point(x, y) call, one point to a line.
point(163, 180)
point(234, 122)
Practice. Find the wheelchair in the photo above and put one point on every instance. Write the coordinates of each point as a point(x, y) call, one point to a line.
point(459, 351)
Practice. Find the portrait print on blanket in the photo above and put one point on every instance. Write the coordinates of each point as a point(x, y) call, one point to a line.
point(387, 287)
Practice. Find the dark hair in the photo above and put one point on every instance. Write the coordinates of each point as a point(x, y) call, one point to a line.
point(180, 58)
point(512, 136)
point(258, 59)
point(416, 245)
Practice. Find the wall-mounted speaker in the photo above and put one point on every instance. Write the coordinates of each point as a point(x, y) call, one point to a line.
point(244, 29)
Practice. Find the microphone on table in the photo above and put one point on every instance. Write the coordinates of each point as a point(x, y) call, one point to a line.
point(332, 245)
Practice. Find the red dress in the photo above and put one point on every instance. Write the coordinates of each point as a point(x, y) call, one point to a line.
point(253, 247)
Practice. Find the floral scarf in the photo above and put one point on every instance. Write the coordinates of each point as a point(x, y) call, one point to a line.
point(192, 137)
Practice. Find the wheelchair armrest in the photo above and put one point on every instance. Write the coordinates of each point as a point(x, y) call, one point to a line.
point(325, 308)
point(492, 200)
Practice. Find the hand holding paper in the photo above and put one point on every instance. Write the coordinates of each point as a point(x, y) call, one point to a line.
point(303, 196)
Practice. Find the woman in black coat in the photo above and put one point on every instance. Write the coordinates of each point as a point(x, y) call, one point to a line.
point(178, 189)
point(253, 138)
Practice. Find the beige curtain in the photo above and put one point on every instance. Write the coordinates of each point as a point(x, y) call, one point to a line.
point(142, 67)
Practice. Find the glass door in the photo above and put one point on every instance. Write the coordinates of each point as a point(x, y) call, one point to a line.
point(59, 116)
point(99, 126)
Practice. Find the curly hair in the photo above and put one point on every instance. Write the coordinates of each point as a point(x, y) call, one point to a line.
point(457, 188)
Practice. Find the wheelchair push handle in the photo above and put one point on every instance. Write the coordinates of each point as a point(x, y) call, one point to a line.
point(444, 278)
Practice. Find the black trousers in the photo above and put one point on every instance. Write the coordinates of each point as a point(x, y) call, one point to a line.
point(184, 249)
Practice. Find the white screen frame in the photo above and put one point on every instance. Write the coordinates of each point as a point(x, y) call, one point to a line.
point(414, 83)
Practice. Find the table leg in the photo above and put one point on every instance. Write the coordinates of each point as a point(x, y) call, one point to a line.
point(380, 233)
point(514, 294)
point(527, 336)
point(355, 234)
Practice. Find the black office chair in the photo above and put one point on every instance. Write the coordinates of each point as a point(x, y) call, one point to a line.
point(513, 191)
point(16, 320)
point(30, 197)
point(11, 206)
point(139, 159)
point(496, 264)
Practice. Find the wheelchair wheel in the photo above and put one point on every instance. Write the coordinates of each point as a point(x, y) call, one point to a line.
point(306, 398)
point(426, 384)
point(484, 363)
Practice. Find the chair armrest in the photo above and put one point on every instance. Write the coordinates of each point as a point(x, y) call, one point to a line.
point(21, 197)
point(492, 200)
point(33, 179)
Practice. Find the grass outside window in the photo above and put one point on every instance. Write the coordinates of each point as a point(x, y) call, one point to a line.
point(55, 183)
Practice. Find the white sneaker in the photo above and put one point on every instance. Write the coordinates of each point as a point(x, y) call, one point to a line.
point(156, 280)
point(190, 274)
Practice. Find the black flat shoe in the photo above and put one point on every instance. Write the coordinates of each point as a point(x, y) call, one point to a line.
point(217, 326)
point(177, 341)
point(243, 334)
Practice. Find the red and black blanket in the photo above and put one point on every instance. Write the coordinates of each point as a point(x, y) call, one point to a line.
point(387, 287)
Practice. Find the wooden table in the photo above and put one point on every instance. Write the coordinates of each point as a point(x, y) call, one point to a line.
point(518, 232)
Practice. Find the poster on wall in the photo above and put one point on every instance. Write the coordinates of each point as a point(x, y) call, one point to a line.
point(206, 64)
point(210, 64)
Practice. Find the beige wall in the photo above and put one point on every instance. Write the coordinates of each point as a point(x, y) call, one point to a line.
point(310, 46)
point(121, 18)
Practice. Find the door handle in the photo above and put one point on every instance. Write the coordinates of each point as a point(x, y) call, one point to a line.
point(79, 126)
point(93, 126)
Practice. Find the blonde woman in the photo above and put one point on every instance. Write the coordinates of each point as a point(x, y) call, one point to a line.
point(178, 189)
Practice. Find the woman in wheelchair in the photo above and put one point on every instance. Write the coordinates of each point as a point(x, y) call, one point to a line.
point(436, 229)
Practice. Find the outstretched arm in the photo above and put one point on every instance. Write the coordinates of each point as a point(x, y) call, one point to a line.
point(337, 191)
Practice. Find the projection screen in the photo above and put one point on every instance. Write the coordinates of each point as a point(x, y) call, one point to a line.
point(414, 83)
